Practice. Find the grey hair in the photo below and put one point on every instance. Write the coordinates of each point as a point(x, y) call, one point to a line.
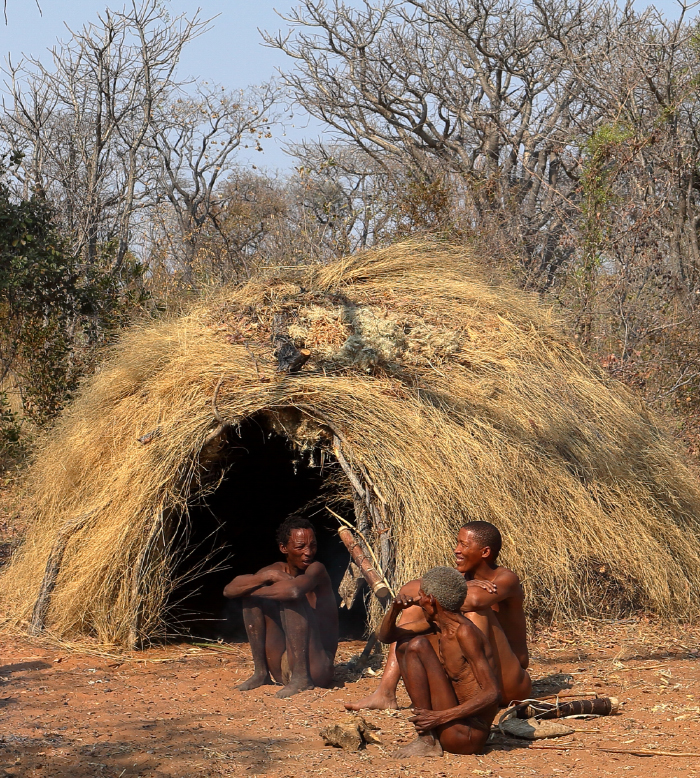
point(447, 585)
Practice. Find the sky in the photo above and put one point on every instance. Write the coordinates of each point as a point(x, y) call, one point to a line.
point(231, 53)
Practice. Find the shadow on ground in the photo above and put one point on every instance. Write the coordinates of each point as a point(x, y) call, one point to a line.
point(179, 747)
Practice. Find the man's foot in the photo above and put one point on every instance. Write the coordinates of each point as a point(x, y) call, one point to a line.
point(255, 680)
point(423, 746)
point(375, 701)
point(294, 687)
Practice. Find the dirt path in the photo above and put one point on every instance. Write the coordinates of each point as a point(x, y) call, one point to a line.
point(175, 712)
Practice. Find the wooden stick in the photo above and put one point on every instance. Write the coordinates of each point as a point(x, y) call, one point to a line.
point(563, 747)
point(136, 581)
point(645, 751)
point(611, 750)
point(367, 544)
point(378, 515)
point(349, 472)
point(215, 434)
point(563, 694)
point(214, 398)
point(51, 571)
point(373, 578)
point(255, 361)
point(215, 647)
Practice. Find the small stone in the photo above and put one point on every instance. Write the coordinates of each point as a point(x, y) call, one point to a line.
point(344, 734)
point(350, 734)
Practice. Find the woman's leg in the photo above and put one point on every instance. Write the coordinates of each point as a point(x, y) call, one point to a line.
point(309, 663)
point(263, 633)
point(429, 688)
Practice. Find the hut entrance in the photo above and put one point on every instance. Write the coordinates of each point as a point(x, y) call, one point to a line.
point(232, 531)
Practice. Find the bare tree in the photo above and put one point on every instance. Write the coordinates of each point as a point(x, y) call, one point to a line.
point(192, 146)
point(82, 122)
point(493, 89)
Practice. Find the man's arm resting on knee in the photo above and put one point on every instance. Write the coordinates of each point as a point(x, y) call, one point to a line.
point(390, 632)
point(295, 588)
point(487, 696)
point(243, 585)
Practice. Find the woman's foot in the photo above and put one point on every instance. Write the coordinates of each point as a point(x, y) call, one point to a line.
point(255, 680)
point(422, 746)
point(378, 700)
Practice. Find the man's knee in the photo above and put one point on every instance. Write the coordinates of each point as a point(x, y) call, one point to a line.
point(414, 645)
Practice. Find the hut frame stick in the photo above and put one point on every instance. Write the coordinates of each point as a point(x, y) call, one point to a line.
point(137, 580)
point(377, 514)
point(51, 571)
point(379, 520)
point(223, 424)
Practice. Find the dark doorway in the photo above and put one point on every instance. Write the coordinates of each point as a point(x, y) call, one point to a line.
point(232, 532)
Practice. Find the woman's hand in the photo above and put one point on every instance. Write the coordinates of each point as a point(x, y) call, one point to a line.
point(275, 575)
point(425, 720)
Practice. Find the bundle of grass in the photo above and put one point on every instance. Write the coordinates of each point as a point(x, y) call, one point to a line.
point(431, 395)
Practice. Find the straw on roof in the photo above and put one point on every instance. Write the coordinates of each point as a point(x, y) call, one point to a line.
point(454, 400)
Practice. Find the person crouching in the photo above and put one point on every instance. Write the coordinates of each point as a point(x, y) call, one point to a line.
point(447, 667)
point(290, 615)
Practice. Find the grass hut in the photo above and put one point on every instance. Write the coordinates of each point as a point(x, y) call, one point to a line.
point(398, 386)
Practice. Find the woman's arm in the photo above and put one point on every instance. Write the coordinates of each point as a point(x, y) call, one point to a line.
point(294, 588)
point(390, 632)
point(243, 585)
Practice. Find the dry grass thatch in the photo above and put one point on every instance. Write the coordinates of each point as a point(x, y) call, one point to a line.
point(456, 398)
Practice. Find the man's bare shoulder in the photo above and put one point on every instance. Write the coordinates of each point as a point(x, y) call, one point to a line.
point(318, 571)
point(411, 588)
point(505, 578)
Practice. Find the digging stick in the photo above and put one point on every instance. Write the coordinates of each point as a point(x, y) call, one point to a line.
point(367, 546)
point(374, 579)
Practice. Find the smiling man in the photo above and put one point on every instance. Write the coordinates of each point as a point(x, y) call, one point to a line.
point(494, 603)
point(290, 615)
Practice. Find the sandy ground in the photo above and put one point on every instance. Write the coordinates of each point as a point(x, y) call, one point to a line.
point(174, 711)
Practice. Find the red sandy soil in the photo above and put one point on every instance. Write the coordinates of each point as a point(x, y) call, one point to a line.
point(174, 712)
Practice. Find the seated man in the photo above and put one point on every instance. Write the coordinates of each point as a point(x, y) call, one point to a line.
point(494, 602)
point(444, 664)
point(290, 615)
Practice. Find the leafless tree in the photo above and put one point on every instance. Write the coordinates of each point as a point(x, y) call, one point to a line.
point(567, 129)
point(83, 120)
point(192, 146)
point(493, 89)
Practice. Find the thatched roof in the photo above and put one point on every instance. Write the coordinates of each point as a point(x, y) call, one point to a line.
point(450, 398)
